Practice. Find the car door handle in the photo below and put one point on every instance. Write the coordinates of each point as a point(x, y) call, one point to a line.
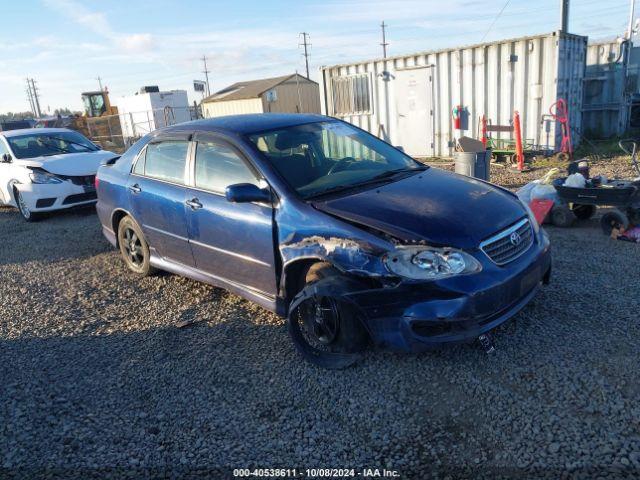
point(194, 204)
point(135, 188)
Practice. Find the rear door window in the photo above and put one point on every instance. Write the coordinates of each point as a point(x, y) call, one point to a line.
point(166, 160)
point(218, 166)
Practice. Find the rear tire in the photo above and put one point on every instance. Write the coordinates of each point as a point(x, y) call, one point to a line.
point(23, 209)
point(134, 247)
point(325, 329)
point(613, 219)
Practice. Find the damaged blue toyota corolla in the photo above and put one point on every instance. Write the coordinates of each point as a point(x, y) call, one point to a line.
point(349, 238)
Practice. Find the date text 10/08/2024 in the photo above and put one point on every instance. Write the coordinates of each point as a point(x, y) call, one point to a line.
point(316, 473)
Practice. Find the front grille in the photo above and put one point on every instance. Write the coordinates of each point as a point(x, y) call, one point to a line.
point(80, 197)
point(510, 243)
point(83, 181)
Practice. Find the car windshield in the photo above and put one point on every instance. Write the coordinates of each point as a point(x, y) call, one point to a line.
point(330, 157)
point(49, 143)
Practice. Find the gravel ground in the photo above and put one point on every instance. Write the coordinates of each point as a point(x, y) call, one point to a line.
point(97, 380)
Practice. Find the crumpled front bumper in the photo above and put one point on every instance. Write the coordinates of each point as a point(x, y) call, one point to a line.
point(420, 316)
point(47, 197)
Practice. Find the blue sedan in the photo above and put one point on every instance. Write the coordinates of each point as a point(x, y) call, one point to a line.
point(353, 241)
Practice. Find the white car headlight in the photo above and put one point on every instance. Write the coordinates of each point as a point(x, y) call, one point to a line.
point(425, 263)
point(40, 176)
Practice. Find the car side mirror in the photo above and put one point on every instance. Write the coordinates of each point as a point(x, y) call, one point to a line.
point(6, 158)
point(247, 193)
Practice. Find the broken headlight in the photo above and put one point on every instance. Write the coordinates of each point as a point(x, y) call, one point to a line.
point(42, 176)
point(424, 263)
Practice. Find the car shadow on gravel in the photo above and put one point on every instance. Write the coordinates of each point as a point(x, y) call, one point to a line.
point(63, 235)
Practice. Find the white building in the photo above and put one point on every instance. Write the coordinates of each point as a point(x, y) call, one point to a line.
point(145, 112)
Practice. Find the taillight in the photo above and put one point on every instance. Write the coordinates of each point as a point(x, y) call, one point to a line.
point(96, 182)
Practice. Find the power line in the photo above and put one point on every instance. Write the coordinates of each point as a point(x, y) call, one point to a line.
point(384, 40)
point(494, 21)
point(304, 43)
point(206, 74)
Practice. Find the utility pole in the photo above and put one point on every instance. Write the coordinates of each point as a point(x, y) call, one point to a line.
point(30, 98)
point(384, 39)
point(206, 74)
point(306, 44)
point(100, 83)
point(631, 14)
point(564, 16)
point(33, 96)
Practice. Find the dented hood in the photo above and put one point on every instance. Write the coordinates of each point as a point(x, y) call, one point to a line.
point(435, 206)
point(70, 164)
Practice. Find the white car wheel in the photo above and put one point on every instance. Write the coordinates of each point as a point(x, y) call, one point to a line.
point(23, 208)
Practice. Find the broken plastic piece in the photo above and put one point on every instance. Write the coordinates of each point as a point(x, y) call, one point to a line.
point(487, 343)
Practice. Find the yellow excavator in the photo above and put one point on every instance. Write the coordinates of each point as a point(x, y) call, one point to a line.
point(100, 121)
point(97, 104)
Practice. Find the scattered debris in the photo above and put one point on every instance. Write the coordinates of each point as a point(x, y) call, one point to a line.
point(486, 340)
point(540, 208)
point(575, 180)
point(540, 195)
point(626, 234)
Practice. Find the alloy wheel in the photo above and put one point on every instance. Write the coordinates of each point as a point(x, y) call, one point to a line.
point(133, 248)
point(22, 206)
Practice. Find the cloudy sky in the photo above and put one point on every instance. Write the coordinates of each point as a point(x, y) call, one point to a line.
point(66, 44)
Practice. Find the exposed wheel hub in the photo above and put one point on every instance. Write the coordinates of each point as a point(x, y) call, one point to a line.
point(326, 320)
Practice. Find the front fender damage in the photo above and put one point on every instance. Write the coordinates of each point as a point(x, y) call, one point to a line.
point(347, 255)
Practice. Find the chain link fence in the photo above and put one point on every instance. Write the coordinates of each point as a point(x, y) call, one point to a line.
point(119, 132)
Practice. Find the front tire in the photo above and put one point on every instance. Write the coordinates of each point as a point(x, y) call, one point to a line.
point(23, 208)
point(562, 216)
point(134, 247)
point(325, 328)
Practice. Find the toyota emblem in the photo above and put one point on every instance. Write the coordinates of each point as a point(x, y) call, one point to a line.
point(515, 239)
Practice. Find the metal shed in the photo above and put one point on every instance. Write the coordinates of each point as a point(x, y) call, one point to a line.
point(287, 94)
point(408, 100)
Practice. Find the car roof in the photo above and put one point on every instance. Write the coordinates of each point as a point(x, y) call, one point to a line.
point(27, 131)
point(250, 123)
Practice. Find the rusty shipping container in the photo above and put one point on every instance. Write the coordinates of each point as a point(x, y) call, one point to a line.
point(409, 100)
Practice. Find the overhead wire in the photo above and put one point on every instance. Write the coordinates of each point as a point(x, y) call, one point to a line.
point(495, 20)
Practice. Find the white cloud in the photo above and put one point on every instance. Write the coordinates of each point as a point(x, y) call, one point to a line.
point(95, 21)
point(136, 43)
point(98, 23)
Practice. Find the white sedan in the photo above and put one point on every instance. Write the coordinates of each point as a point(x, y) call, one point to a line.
point(45, 169)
